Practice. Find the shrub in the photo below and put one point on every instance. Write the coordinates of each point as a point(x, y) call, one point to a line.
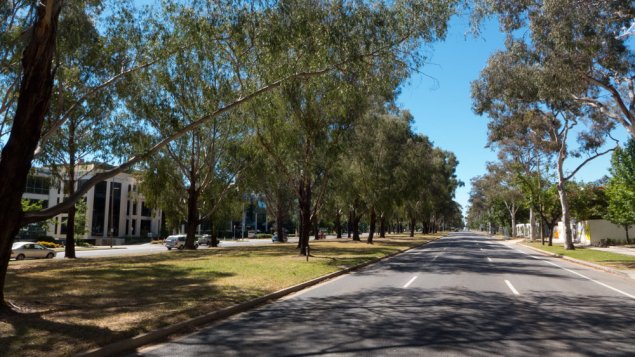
point(82, 243)
point(263, 235)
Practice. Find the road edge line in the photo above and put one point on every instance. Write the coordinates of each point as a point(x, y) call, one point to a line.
point(186, 326)
point(580, 262)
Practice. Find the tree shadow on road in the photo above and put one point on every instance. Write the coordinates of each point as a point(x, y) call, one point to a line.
point(427, 322)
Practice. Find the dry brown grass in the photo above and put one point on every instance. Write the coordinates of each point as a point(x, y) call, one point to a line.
point(68, 306)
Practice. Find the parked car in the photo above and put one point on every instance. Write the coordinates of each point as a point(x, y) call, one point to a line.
point(276, 238)
point(205, 240)
point(177, 241)
point(28, 250)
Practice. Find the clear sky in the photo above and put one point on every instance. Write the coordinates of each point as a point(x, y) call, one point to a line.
point(441, 104)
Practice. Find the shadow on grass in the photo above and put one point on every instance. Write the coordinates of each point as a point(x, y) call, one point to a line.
point(130, 299)
point(34, 335)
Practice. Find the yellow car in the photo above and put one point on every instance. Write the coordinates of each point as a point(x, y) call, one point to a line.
point(28, 250)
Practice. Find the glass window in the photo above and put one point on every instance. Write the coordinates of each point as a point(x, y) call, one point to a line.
point(146, 225)
point(145, 211)
point(38, 184)
point(99, 207)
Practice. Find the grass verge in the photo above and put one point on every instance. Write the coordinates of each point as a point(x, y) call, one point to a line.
point(613, 260)
point(69, 306)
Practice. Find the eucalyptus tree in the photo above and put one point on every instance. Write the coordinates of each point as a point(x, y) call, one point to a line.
point(316, 115)
point(352, 39)
point(82, 123)
point(444, 184)
point(264, 176)
point(198, 170)
point(519, 93)
point(521, 155)
point(373, 161)
point(417, 175)
point(504, 187)
point(585, 43)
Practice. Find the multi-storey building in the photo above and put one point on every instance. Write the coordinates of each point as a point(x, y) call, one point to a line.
point(114, 208)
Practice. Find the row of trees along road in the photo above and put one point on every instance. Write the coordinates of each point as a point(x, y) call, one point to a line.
point(178, 90)
point(562, 83)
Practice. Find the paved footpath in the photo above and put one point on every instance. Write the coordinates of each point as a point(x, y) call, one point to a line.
point(461, 295)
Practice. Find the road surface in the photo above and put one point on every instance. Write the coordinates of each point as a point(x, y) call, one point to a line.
point(461, 295)
point(147, 248)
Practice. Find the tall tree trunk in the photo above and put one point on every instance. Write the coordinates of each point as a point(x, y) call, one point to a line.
point(33, 103)
point(214, 240)
point(513, 217)
point(553, 224)
point(566, 216)
point(304, 201)
point(192, 215)
point(542, 229)
point(349, 224)
point(626, 227)
point(413, 223)
point(69, 249)
point(532, 224)
point(371, 230)
point(280, 224)
point(315, 226)
point(356, 219)
point(338, 223)
point(382, 225)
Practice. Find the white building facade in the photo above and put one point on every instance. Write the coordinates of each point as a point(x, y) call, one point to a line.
point(114, 208)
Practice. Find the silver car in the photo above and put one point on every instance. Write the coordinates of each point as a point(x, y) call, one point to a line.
point(177, 241)
point(28, 250)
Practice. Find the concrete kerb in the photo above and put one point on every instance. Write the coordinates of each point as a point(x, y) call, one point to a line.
point(189, 325)
point(581, 262)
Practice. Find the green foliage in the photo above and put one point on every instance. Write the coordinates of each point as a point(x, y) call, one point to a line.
point(80, 218)
point(34, 229)
point(621, 186)
point(581, 49)
point(587, 200)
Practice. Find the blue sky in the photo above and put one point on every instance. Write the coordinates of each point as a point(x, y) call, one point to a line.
point(441, 104)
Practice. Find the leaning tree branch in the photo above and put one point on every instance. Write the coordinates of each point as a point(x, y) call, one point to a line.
point(590, 158)
point(36, 216)
point(90, 93)
point(630, 118)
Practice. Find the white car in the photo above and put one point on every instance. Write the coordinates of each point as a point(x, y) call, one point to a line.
point(28, 250)
point(177, 241)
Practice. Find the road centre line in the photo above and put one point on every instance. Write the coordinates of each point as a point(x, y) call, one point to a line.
point(511, 287)
point(490, 259)
point(410, 281)
point(580, 275)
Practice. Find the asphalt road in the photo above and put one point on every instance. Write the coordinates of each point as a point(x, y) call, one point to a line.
point(461, 295)
point(137, 249)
